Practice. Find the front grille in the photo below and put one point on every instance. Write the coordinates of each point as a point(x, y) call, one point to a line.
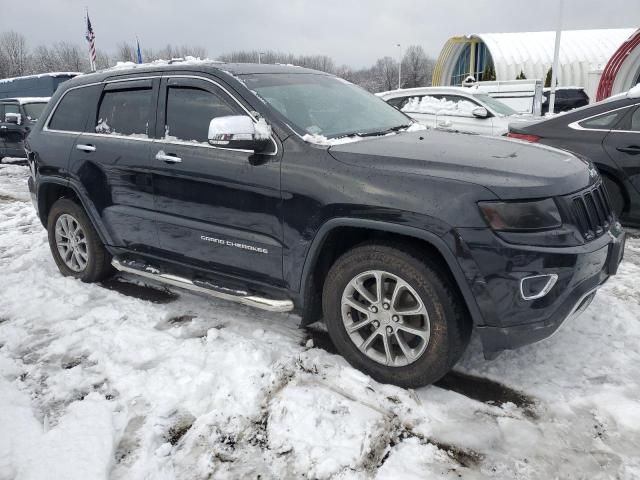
point(592, 211)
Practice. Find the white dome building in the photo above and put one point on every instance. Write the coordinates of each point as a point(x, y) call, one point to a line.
point(583, 56)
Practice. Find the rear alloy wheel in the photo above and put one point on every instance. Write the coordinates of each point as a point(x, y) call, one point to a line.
point(75, 244)
point(395, 314)
point(71, 242)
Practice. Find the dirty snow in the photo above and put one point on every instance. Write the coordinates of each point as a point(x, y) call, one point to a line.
point(127, 379)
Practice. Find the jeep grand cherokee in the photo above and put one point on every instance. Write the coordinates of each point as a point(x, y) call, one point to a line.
point(289, 189)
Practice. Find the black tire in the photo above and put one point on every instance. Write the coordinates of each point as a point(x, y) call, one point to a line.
point(449, 321)
point(615, 195)
point(98, 264)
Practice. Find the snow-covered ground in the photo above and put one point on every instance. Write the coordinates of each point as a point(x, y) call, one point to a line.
point(130, 380)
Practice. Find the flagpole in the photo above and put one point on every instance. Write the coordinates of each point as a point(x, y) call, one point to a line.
point(86, 21)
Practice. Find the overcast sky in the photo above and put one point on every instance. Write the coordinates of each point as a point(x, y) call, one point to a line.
point(352, 32)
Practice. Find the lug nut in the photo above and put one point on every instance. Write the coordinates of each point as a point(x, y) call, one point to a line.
point(385, 306)
point(395, 318)
point(374, 309)
point(389, 330)
point(376, 323)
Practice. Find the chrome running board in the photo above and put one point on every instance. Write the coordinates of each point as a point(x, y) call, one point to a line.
point(238, 296)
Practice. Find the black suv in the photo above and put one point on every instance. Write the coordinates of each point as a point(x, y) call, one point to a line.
point(289, 189)
point(17, 117)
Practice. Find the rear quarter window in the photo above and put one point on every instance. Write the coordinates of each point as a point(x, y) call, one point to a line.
point(70, 115)
point(604, 121)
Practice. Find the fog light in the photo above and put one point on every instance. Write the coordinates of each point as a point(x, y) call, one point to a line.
point(537, 286)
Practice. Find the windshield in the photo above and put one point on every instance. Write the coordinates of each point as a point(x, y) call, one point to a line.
point(325, 105)
point(495, 105)
point(33, 110)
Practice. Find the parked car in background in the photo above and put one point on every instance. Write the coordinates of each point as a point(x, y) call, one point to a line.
point(458, 109)
point(567, 98)
point(41, 85)
point(608, 134)
point(17, 118)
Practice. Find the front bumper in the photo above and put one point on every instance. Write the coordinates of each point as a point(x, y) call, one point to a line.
point(494, 268)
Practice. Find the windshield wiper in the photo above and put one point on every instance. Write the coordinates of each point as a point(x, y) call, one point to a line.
point(376, 133)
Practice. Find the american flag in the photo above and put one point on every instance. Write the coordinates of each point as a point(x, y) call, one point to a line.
point(91, 38)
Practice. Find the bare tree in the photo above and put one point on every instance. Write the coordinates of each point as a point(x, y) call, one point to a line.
point(70, 58)
point(386, 69)
point(417, 67)
point(14, 55)
point(125, 52)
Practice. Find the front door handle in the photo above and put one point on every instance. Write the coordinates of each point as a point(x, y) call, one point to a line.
point(167, 157)
point(632, 149)
point(85, 148)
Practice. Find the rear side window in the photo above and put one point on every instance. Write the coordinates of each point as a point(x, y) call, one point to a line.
point(125, 112)
point(190, 110)
point(71, 113)
point(606, 121)
point(635, 121)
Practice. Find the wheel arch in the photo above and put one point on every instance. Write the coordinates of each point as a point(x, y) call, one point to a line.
point(320, 257)
point(52, 189)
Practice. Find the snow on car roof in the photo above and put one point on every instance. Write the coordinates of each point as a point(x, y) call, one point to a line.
point(23, 100)
point(41, 75)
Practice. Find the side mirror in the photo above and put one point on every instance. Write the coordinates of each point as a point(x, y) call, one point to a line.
point(239, 132)
point(14, 118)
point(480, 112)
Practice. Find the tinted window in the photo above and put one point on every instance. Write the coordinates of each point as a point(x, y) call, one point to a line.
point(8, 108)
point(606, 121)
point(190, 110)
point(125, 112)
point(635, 121)
point(34, 110)
point(70, 113)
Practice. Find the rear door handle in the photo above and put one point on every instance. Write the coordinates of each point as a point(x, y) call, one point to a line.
point(85, 148)
point(632, 149)
point(168, 158)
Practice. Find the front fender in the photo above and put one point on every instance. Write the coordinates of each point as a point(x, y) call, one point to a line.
point(449, 245)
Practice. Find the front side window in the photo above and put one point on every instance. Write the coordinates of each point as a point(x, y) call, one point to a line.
point(71, 113)
point(324, 105)
point(34, 110)
point(125, 112)
point(190, 110)
point(495, 104)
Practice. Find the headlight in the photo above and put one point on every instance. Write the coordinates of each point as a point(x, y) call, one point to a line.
point(522, 216)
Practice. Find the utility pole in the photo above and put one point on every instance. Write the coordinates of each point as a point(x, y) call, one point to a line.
point(556, 55)
point(399, 65)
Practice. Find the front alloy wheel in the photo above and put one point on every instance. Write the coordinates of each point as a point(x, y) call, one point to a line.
point(385, 318)
point(395, 313)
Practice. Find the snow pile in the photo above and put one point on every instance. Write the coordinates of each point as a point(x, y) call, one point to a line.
point(127, 380)
point(322, 140)
point(262, 129)
point(188, 60)
point(434, 106)
point(41, 75)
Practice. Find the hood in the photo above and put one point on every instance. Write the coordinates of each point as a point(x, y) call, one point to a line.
point(509, 168)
